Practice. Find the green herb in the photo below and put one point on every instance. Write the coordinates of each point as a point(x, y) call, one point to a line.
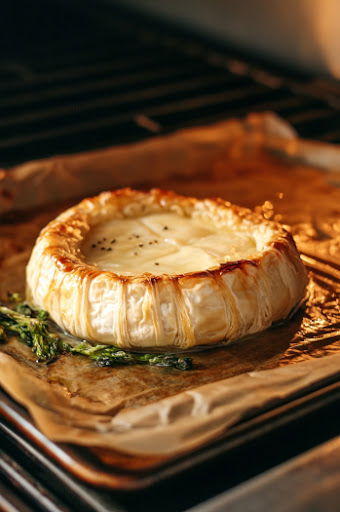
point(32, 330)
point(105, 355)
point(32, 327)
point(21, 306)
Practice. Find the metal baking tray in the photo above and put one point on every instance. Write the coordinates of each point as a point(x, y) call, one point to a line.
point(118, 471)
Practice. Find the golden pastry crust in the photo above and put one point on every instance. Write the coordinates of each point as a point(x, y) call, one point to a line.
point(224, 302)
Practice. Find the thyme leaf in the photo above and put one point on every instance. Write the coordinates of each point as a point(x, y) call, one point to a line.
point(33, 328)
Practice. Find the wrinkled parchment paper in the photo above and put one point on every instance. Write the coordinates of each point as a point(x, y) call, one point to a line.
point(174, 424)
point(258, 163)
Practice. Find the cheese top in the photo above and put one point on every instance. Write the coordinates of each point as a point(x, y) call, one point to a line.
point(91, 269)
point(164, 243)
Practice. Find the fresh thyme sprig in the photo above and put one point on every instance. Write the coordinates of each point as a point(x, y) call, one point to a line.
point(32, 327)
point(105, 355)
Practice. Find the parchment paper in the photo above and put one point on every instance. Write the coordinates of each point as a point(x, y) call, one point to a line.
point(259, 163)
point(185, 154)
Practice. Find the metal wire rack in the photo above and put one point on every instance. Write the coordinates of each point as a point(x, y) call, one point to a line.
point(101, 84)
point(109, 77)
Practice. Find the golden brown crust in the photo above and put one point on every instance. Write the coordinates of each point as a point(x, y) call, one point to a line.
point(77, 225)
point(228, 286)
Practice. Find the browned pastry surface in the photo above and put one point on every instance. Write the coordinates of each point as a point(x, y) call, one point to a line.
point(299, 196)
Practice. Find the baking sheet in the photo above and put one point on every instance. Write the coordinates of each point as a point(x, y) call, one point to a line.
point(143, 410)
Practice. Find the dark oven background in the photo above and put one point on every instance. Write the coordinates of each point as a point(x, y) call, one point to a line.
point(81, 75)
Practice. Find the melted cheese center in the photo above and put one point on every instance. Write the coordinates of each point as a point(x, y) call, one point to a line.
point(163, 243)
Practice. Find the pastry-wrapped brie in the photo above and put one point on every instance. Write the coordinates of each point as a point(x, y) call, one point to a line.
point(154, 269)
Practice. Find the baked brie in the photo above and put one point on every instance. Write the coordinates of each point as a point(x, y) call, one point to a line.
point(158, 270)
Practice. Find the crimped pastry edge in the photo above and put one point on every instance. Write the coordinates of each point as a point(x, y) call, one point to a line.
point(223, 303)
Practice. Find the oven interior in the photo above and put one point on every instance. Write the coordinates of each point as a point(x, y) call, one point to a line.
point(88, 75)
point(76, 77)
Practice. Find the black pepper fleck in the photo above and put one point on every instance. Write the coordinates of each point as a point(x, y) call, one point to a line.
point(156, 263)
point(150, 243)
point(109, 249)
point(94, 245)
point(113, 241)
point(140, 245)
point(102, 248)
point(165, 228)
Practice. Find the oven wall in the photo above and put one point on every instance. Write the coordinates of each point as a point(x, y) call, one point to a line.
point(298, 33)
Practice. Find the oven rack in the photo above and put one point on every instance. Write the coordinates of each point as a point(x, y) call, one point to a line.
point(107, 76)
